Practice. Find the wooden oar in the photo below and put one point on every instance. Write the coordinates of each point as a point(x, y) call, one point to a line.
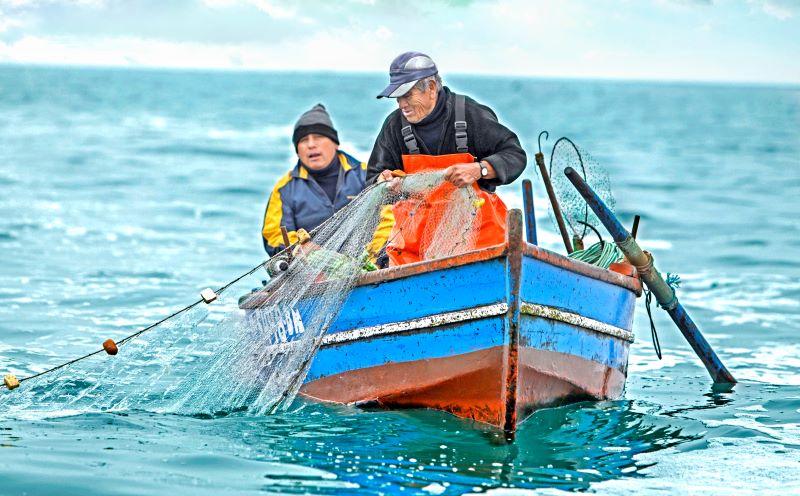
point(664, 294)
point(552, 195)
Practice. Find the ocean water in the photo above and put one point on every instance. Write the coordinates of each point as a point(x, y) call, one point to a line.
point(123, 193)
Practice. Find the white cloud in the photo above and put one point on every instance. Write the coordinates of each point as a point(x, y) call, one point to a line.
point(778, 9)
point(38, 3)
point(112, 52)
point(273, 10)
point(270, 8)
point(573, 38)
point(383, 33)
point(7, 22)
point(324, 50)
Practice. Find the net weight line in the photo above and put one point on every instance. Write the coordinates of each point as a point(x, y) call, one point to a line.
point(148, 328)
point(11, 382)
point(208, 296)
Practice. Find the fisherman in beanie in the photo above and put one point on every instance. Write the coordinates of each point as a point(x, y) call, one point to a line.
point(324, 180)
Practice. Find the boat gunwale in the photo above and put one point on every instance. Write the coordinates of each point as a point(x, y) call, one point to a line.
point(633, 284)
point(435, 322)
point(377, 277)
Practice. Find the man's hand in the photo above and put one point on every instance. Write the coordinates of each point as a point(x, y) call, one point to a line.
point(301, 250)
point(385, 175)
point(394, 181)
point(463, 175)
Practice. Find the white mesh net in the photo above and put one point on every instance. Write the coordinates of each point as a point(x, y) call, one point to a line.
point(218, 359)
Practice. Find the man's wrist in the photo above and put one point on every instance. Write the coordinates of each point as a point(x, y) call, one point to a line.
point(483, 169)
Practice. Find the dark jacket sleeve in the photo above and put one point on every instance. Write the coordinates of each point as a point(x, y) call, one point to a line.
point(385, 154)
point(499, 146)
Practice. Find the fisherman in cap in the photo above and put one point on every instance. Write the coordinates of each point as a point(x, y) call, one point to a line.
point(324, 180)
point(436, 129)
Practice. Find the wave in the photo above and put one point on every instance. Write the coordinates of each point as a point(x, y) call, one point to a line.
point(203, 151)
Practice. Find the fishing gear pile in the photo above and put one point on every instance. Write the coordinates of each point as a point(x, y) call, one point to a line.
point(579, 217)
point(575, 213)
point(221, 355)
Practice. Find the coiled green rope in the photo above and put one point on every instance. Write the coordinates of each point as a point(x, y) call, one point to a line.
point(600, 254)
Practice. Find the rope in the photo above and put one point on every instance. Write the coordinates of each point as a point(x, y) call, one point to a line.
point(126, 339)
point(142, 331)
point(643, 270)
point(601, 254)
point(334, 218)
point(648, 295)
point(673, 281)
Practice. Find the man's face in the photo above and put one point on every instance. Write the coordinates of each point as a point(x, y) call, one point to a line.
point(416, 105)
point(316, 151)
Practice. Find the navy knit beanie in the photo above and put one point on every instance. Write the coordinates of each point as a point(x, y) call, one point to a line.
point(316, 121)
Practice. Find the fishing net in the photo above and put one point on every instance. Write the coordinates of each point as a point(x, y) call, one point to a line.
point(578, 217)
point(577, 214)
point(219, 358)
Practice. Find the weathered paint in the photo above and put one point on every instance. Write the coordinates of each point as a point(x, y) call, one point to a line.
point(471, 385)
point(427, 322)
point(552, 313)
point(583, 268)
point(427, 293)
point(421, 344)
point(513, 280)
point(490, 335)
point(545, 334)
point(418, 295)
point(555, 286)
point(261, 297)
point(468, 385)
point(432, 265)
point(549, 378)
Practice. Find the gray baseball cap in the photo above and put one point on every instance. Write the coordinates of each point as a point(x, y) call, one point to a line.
point(406, 69)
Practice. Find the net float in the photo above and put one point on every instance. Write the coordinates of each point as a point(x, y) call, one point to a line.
point(11, 381)
point(110, 346)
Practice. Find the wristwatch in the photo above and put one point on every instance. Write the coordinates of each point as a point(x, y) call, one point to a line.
point(484, 169)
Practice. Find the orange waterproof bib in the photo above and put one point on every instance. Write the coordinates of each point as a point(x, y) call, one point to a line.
point(415, 222)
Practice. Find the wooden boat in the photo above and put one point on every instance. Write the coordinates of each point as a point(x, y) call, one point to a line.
point(490, 335)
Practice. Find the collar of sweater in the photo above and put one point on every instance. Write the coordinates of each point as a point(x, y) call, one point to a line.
point(329, 170)
point(437, 113)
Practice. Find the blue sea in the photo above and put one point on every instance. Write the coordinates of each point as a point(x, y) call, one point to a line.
point(125, 192)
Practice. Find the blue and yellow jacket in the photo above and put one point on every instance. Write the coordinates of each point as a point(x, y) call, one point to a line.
point(297, 201)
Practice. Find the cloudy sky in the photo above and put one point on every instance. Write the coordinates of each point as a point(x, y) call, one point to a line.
point(706, 40)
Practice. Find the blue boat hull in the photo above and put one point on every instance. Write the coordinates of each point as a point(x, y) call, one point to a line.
point(489, 335)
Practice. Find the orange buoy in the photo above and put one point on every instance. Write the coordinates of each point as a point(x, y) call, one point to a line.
point(110, 346)
point(399, 173)
point(11, 381)
point(624, 268)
